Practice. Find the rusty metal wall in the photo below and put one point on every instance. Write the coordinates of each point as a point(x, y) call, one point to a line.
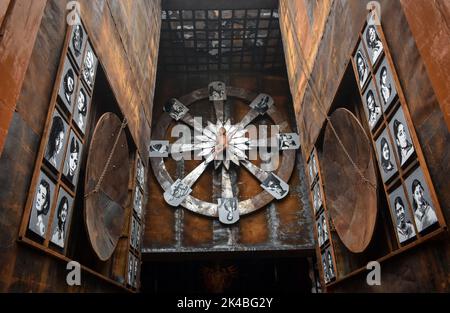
point(125, 35)
point(335, 45)
point(284, 225)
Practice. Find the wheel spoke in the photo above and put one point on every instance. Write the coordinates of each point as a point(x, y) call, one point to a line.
point(269, 180)
point(261, 105)
point(181, 188)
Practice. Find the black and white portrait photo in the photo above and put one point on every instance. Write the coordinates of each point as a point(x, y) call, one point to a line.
point(386, 85)
point(77, 42)
point(140, 172)
point(42, 202)
point(372, 106)
point(72, 162)
point(136, 265)
point(67, 86)
point(288, 141)
point(313, 171)
point(138, 201)
point(402, 138)
point(420, 199)
point(54, 152)
point(61, 218)
point(177, 192)
point(130, 269)
point(81, 108)
point(275, 186)
point(159, 149)
point(262, 103)
point(373, 43)
point(89, 67)
point(135, 229)
point(322, 229)
point(401, 213)
point(386, 160)
point(217, 91)
point(228, 210)
point(328, 266)
point(325, 269)
point(362, 66)
point(317, 198)
point(137, 236)
point(176, 109)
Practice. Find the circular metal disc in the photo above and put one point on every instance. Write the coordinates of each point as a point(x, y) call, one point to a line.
point(105, 212)
point(207, 208)
point(351, 201)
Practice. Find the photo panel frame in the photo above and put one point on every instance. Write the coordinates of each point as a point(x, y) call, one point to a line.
point(312, 167)
point(317, 198)
point(73, 159)
point(81, 108)
point(140, 173)
point(217, 91)
point(288, 141)
point(361, 66)
point(57, 141)
point(77, 43)
point(386, 85)
point(41, 205)
point(386, 158)
point(130, 269)
point(323, 232)
point(138, 201)
point(403, 144)
point(176, 109)
point(135, 271)
point(423, 207)
point(372, 106)
point(135, 233)
point(89, 67)
point(61, 218)
point(275, 186)
point(262, 103)
point(328, 265)
point(159, 148)
point(67, 85)
point(401, 215)
point(373, 43)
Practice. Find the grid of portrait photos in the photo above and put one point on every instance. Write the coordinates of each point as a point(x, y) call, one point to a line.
point(57, 172)
point(409, 198)
point(136, 221)
point(321, 220)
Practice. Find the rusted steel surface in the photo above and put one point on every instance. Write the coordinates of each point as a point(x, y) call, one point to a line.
point(352, 202)
point(19, 32)
point(428, 22)
point(280, 225)
point(106, 186)
point(3, 8)
point(412, 45)
point(129, 27)
point(21, 267)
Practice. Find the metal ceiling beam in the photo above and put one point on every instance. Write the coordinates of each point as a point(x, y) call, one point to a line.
point(218, 4)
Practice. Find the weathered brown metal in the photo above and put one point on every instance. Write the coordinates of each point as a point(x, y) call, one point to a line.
point(207, 208)
point(105, 212)
point(352, 201)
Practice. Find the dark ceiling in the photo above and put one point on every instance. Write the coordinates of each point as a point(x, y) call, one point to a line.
point(200, 35)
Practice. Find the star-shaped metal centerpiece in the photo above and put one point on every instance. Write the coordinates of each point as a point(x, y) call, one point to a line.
point(223, 143)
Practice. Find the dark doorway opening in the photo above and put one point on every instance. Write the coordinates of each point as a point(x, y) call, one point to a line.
point(239, 275)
